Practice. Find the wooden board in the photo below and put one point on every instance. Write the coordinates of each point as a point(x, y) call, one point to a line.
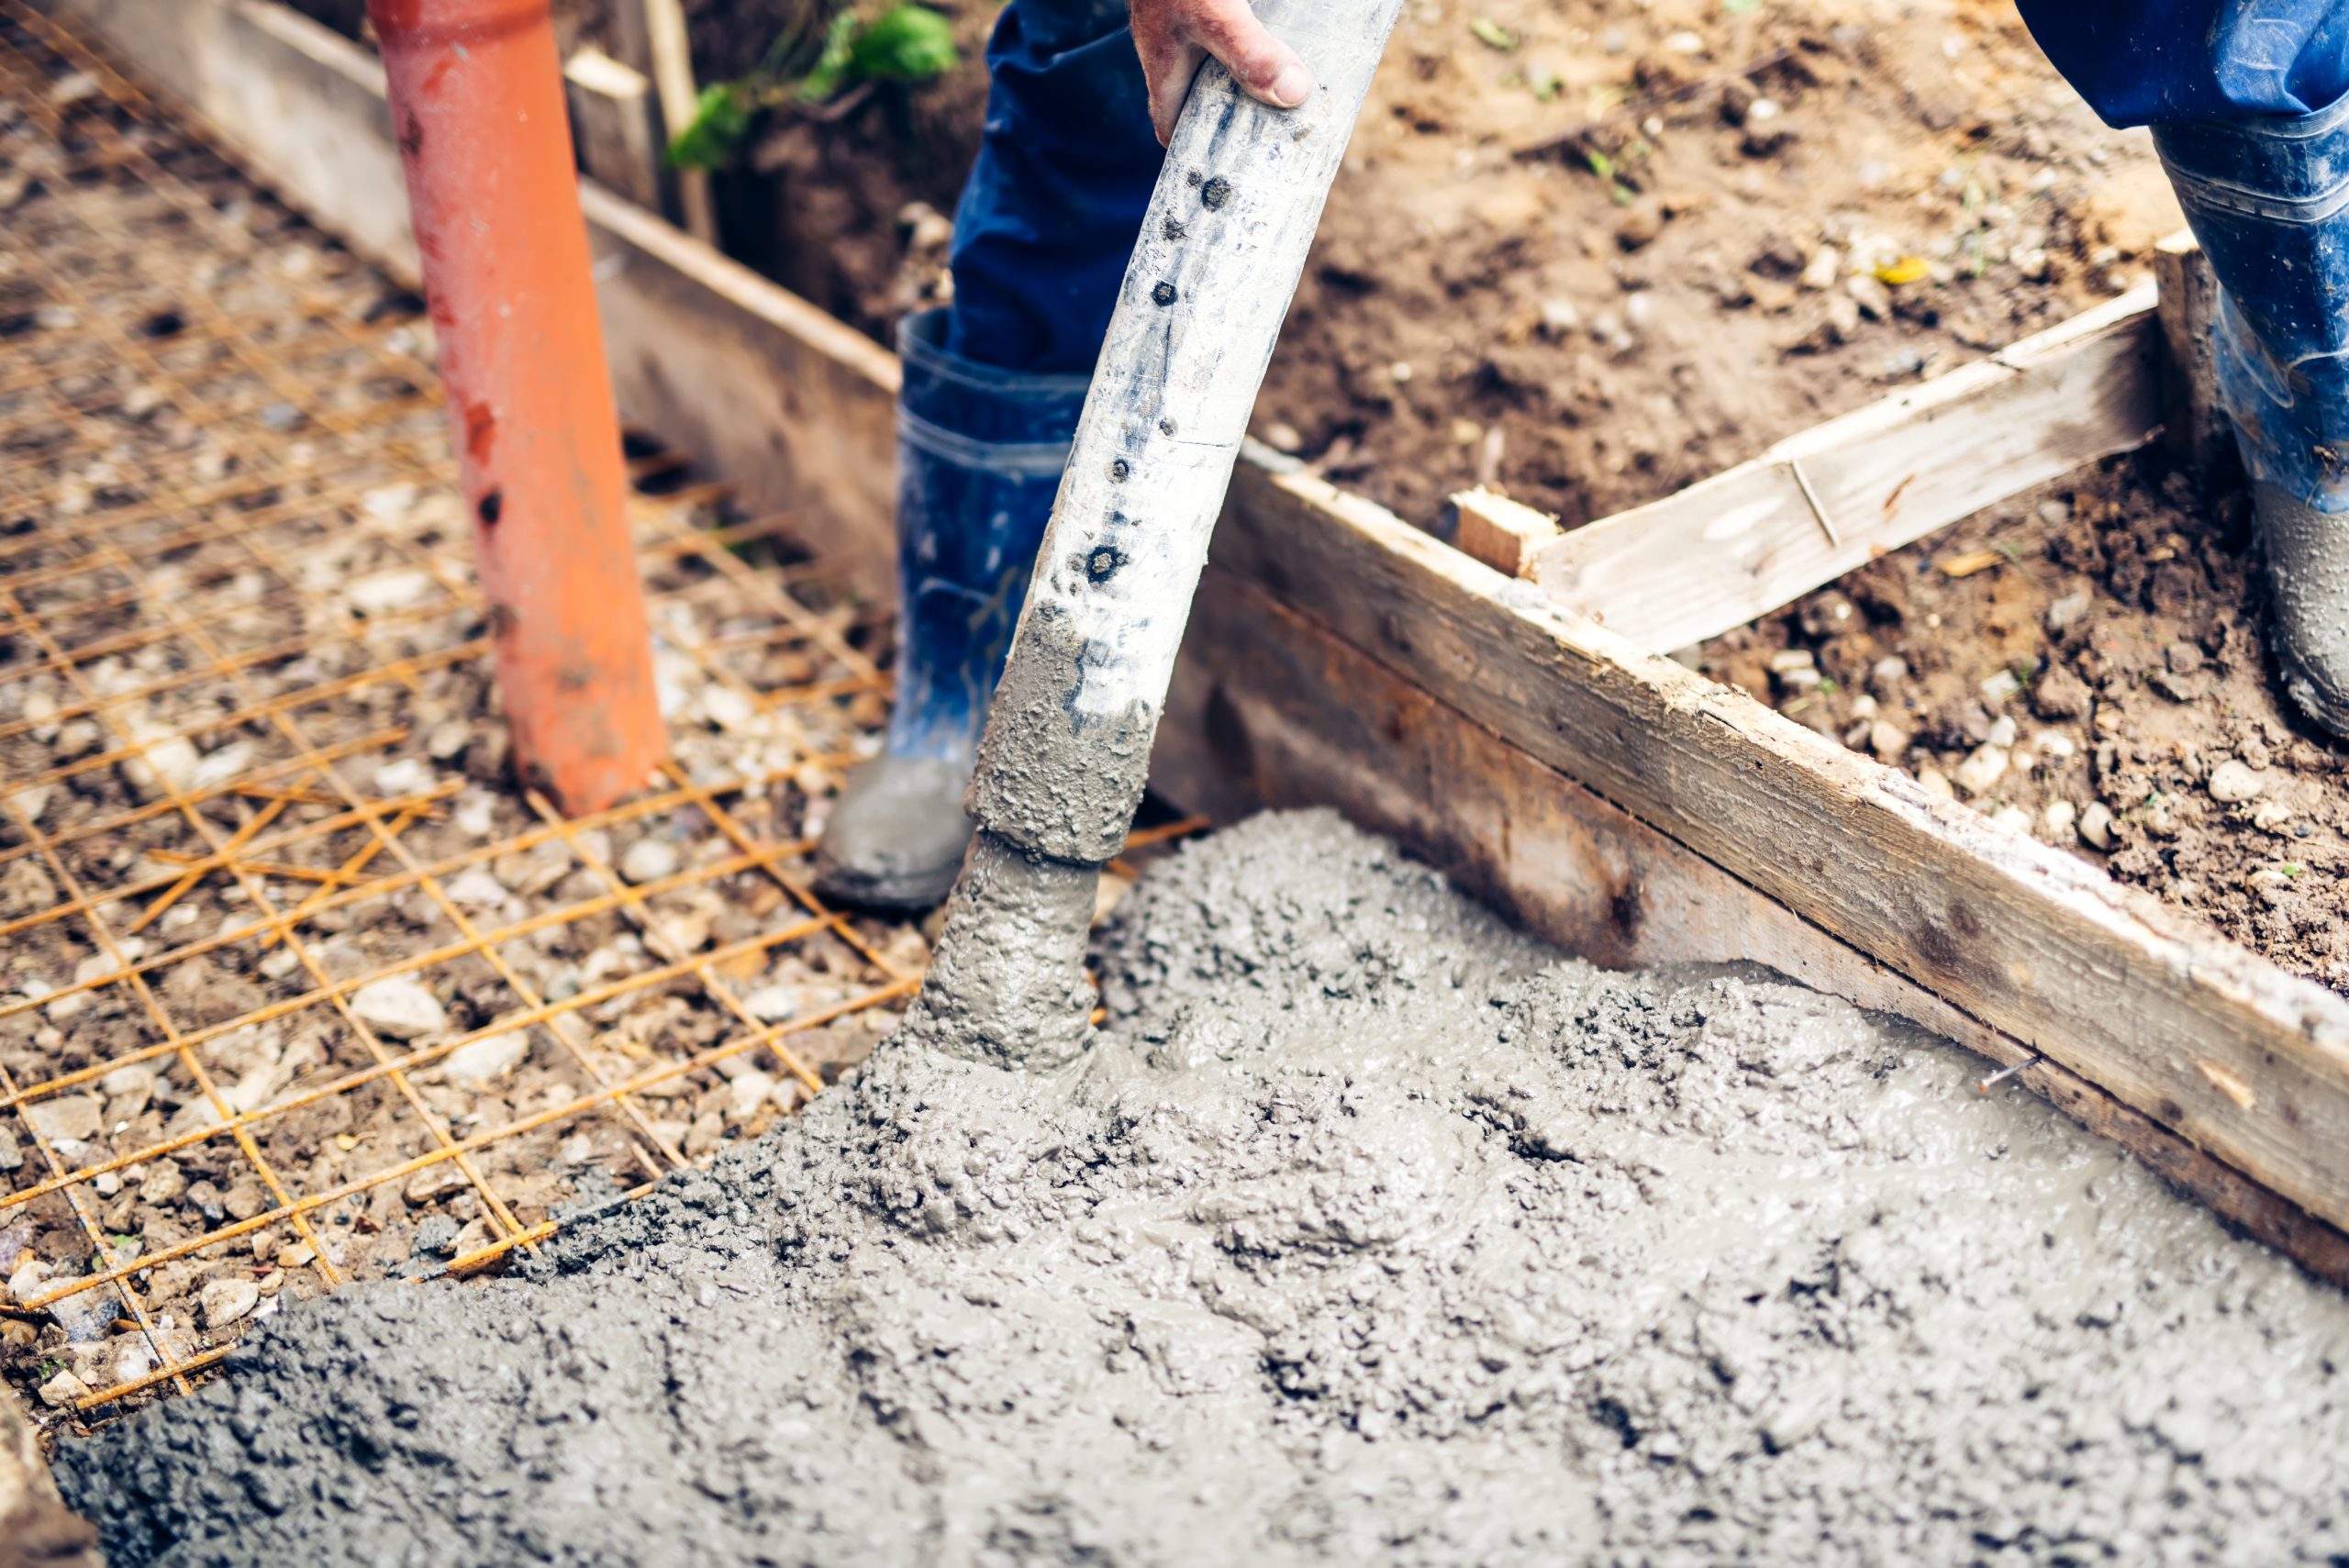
point(1735, 547)
point(2222, 1048)
point(671, 65)
point(1505, 535)
point(1270, 710)
point(2200, 439)
point(616, 125)
point(794, 408)
point(1779, 845)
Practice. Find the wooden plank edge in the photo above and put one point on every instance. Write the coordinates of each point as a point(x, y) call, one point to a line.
point(616, 127)
point(1502, 533)
point(2238, 1058)
point(1833, 533)
point(1269, 709)
point(794, 406)
point(2201, 438)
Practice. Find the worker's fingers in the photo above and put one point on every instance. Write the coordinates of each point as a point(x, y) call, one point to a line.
point(1168, 63)
point(1266, 67)
point(1170, 35)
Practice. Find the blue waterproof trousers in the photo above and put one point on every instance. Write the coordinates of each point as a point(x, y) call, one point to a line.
point(1048, 217)
point(2249, 104)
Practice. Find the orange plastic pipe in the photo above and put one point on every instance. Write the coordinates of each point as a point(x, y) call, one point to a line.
point(476, 98)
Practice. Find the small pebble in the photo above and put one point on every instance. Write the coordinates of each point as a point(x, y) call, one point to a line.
point(490, 1057)
point(409, 775)
point(62, 1391)
point(2096, 826)
point(1868, 293)
point(2232, 782)
point(772, 1004)
point(436, 1238)
point(475, 888)
point(2057, 820)
point(747, 1095)
point(1982, 770)
point(398, 1007)
point(224, 1301)
point(649, 860)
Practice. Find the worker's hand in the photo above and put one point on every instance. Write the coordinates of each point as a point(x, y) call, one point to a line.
point(1173, 37)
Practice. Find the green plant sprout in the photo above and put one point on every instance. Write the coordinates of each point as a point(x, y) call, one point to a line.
point(904, 43)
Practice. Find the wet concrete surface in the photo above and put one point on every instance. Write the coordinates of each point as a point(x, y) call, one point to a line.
point(1368, 1231)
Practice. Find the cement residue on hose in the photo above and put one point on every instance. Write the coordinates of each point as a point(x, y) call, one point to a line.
point(1368, 1232)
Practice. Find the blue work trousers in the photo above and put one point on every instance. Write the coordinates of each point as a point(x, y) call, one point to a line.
point(2249, 104)
point(1049, 218)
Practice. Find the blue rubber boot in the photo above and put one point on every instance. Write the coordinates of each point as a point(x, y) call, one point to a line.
point(2268, 198)
point(979, 458)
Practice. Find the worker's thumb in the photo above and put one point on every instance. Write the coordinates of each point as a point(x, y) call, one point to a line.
point(1260, 63)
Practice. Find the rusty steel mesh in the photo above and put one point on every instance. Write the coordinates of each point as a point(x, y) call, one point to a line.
point(295, 987)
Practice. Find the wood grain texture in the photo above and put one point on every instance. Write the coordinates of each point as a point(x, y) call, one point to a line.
point(794, 408)
point(1270, 710)
point(669, 51)
point(616, 127)
point(2195, 428)
point(2137, 998)
point(1505, 535)
point(1740, 544)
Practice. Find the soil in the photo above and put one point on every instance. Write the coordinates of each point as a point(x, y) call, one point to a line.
point(2090, 664)
point(1482, 305)
point(1368, 1232)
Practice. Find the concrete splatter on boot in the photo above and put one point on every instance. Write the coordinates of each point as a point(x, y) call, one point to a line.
point(980, 453)
point(2268, 198)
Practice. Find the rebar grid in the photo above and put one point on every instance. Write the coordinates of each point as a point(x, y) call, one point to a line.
point(231, 617)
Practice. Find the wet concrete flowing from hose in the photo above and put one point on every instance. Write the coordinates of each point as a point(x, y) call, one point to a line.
point(1368, 1230)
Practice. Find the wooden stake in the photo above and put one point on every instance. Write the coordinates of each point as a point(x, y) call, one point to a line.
point(673, 81)
point(2195, 427)
point(1502, 533)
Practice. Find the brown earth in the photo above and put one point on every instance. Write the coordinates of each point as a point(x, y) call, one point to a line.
point(1483, 304)
point(2089, 663)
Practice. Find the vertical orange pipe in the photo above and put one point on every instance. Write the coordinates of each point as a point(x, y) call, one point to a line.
point(476, 96)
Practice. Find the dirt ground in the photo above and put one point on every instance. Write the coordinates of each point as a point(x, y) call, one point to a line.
point(1483, 303)
point(1585, 250)
point(2089, 663)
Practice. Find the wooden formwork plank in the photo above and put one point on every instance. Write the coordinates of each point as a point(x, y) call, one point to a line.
point(1795, 851)
point(2204, 1038)
point(1735, 547)
point(1269, 709)
point(616, 123)
point(796, 408)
